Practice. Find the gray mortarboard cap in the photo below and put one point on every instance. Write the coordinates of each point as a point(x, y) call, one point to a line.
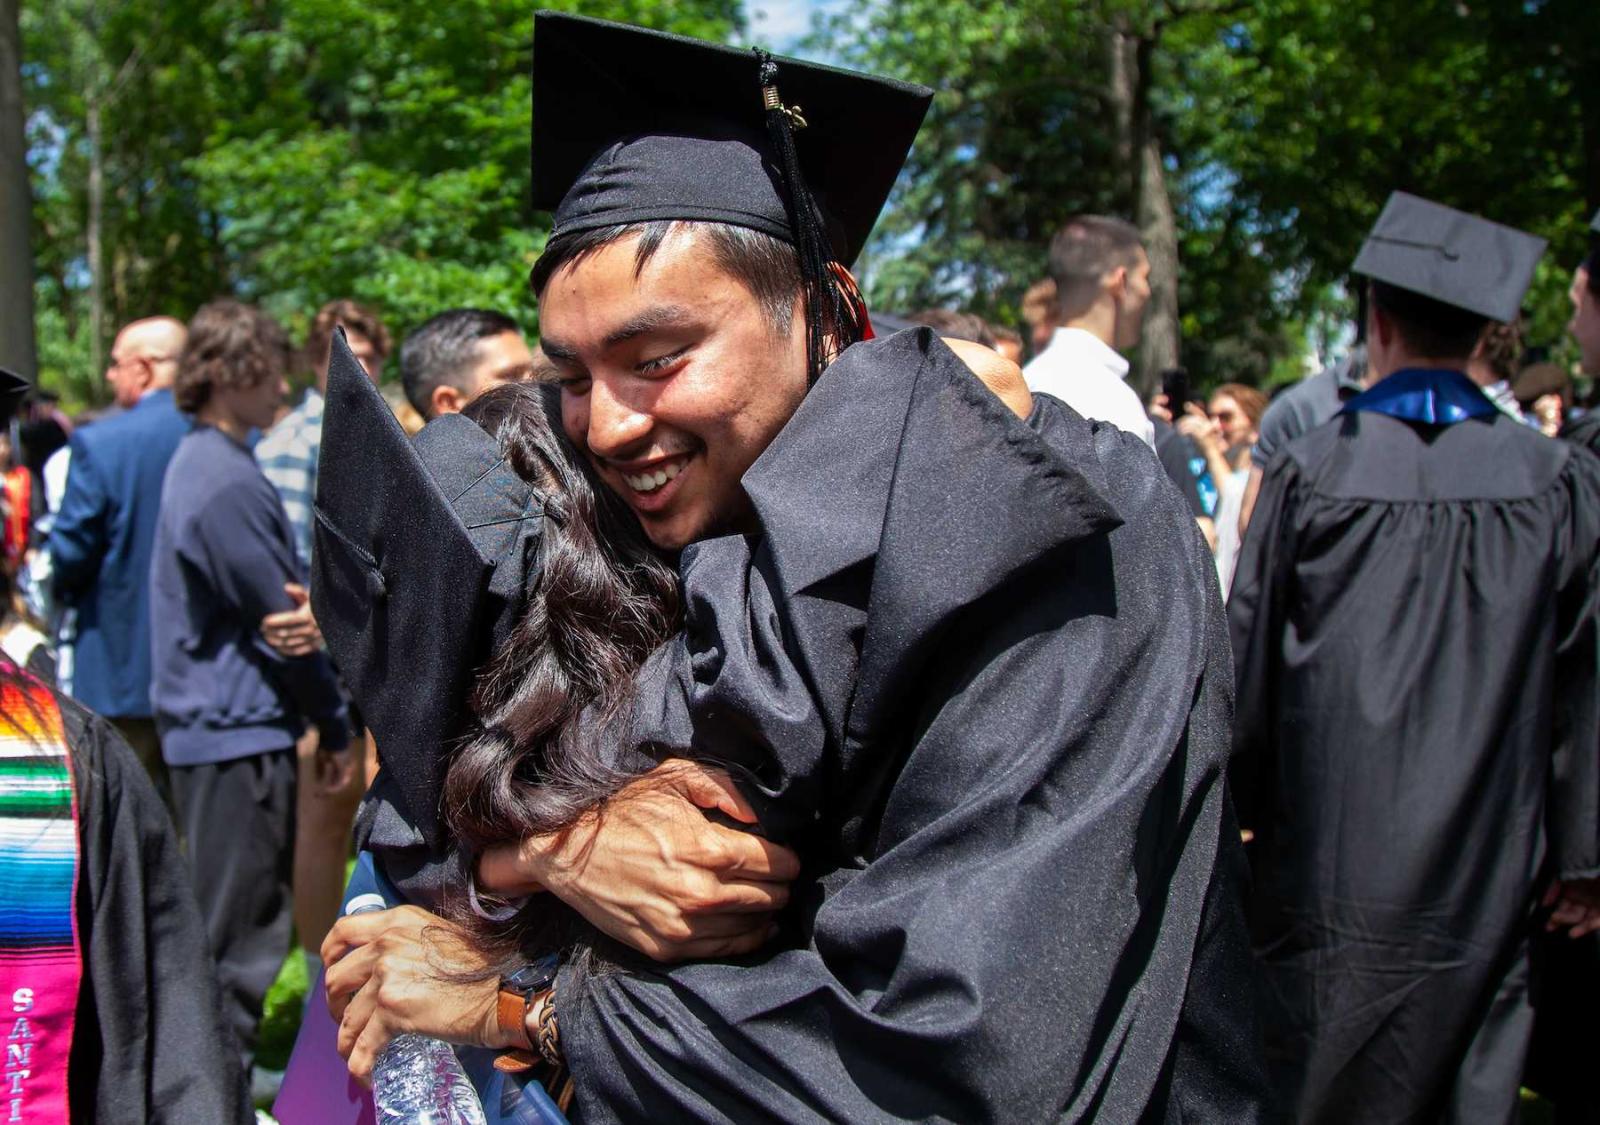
point(1594, 223)
point(422, 554)
point(632, 125)
point(1450, 256)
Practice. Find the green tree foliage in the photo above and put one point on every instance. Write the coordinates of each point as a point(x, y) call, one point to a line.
point(1318, 109)
point(1283, 126)
point(1005, 152)
point(292, 151)
point(1024, 132)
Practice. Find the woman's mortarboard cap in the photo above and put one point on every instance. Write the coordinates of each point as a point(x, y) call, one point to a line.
point(632, 125)
point(1450, 256)
point(422, 552)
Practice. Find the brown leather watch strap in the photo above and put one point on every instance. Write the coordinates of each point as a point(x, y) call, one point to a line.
point(511, 1013)
point(516, 1062)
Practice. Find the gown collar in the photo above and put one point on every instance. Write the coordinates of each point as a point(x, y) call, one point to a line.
point(1438, 396)
point(899, 442)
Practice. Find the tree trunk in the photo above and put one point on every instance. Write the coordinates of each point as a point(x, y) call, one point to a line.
point(1160, 336)
point(17, 344)
point(1149, 204)
point(92, 233)
point(1122, 68)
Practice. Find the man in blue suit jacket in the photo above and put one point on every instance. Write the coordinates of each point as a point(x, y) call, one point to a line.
point(102, 538)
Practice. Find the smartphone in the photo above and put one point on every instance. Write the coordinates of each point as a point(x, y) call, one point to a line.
point(1175, 385)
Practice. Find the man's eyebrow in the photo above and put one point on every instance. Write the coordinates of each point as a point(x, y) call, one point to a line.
point(651, 319)
point(555, 350)
point(661, 316)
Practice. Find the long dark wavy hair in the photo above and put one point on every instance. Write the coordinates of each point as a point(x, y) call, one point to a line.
point(599, 603)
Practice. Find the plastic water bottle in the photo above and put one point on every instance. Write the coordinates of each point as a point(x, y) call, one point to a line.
point(418, 1080)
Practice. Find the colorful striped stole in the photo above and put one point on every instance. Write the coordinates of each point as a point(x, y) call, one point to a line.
point(40, 965)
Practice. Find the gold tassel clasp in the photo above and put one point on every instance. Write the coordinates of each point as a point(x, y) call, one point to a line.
point(770, 100)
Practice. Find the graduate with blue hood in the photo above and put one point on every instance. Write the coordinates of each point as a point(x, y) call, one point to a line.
point(1418, 728)
point(965, 657)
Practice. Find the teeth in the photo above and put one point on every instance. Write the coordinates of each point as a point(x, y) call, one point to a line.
point(649, 482)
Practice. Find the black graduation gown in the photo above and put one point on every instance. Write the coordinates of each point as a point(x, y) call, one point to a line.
point(1414, 626)
point(1566, 976)
point(1584, 432)
point(975, 669)
point(149, 1044)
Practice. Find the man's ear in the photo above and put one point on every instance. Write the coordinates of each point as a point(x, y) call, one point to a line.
point(1117, 282)
point(446, 399)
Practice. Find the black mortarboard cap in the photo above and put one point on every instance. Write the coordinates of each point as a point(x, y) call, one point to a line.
point(13, 389)
point(421, 559)
point(632, 125)
point(1450, 256)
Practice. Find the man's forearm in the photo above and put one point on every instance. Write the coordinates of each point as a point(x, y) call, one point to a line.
point(311, 685)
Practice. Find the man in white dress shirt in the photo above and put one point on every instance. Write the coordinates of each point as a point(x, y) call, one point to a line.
point(1102, 278)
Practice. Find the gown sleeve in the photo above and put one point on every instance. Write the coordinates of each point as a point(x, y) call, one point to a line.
point(1255, 624)
point(149, 1044)
point(1573, 812)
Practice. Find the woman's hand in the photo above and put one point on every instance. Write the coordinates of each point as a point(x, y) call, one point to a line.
point(652, 871)
point(400, 970)
point(1197, 425)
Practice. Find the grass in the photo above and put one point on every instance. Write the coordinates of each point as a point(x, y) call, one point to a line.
point(280, 1020)
point(1536, 1111)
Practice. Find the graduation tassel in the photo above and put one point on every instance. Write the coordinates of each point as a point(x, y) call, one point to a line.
point(827, 315)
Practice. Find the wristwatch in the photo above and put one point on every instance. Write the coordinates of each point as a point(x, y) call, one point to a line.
point(520, 992)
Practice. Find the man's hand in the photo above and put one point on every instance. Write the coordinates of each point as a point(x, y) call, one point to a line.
point(294, 632)
point(1577, 907)
point(400, 970)
point(333, 772)
point(652, 871)
point(996, 372)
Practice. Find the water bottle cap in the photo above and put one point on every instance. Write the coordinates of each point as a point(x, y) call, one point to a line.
point(362, 903)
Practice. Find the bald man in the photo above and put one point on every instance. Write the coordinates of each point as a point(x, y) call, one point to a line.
point(102, 538)
point(144, 358)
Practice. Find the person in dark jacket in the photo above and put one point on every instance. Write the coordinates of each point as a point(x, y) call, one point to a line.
point(228, 706)
point(101, 539)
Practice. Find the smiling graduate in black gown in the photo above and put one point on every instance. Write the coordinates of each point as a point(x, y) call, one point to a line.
point(972, 667)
